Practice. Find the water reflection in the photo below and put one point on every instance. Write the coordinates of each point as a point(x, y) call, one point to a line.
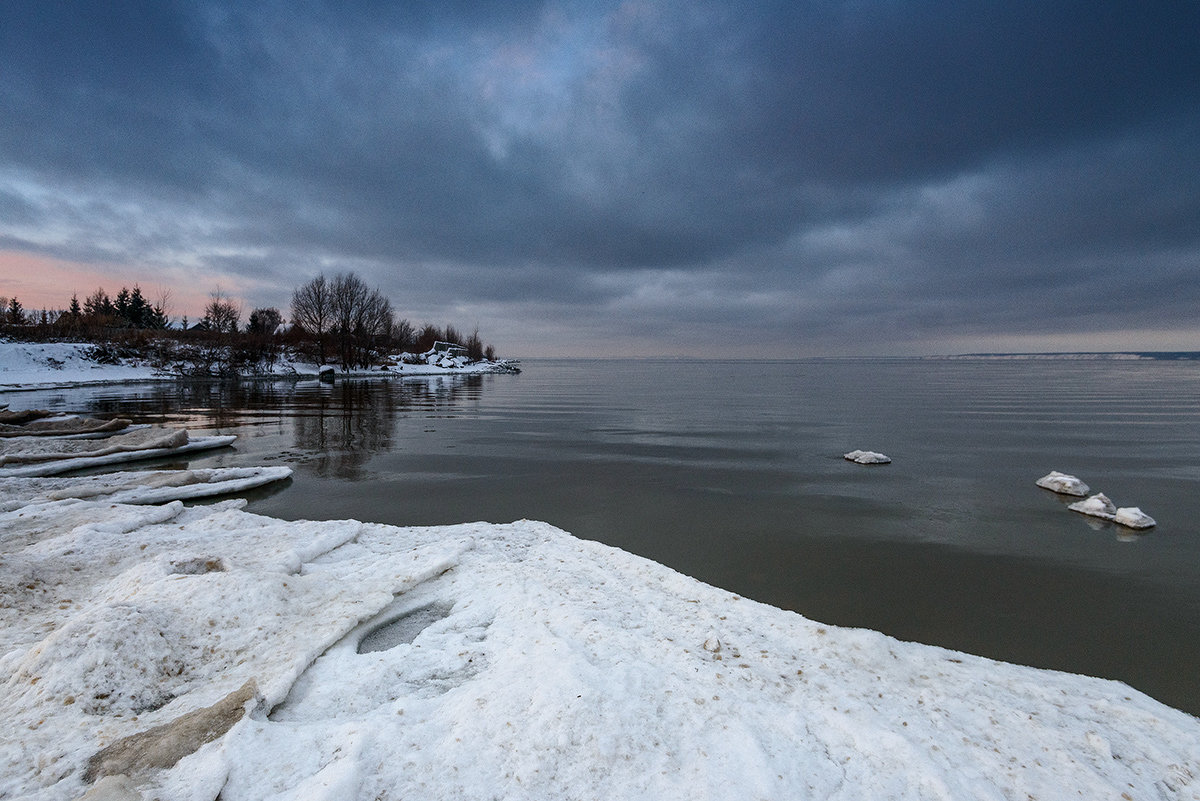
point(342, 426)
point(330, 430)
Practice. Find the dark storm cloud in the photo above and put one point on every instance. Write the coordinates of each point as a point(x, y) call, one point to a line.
point(799, 166)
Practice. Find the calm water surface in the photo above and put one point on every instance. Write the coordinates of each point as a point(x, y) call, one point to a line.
point(732, 472)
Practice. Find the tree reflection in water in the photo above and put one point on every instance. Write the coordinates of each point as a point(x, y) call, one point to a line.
point(334, 429)
point(343, 426)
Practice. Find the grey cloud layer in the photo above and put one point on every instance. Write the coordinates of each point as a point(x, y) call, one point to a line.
point(806, 165)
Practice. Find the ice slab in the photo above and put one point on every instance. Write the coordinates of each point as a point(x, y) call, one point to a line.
point(63, 425)
point(1133, 517)
point(67, 463)
point(1063, 484)
point(144, 487)
point(866, 457)
point(30, 449)
point(1097, 505)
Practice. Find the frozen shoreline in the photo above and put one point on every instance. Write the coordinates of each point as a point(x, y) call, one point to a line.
point(50, 365)
point(511, 660)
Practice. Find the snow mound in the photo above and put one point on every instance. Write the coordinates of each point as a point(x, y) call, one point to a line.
point(866, 457)
point(1063, 484)
point(481, 660)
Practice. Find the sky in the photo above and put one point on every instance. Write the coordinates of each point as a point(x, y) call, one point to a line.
point(593, 178)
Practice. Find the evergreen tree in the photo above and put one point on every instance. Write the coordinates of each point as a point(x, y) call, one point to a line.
point(121, 306)
point(156, 318)
point(16, 312)
point(139, 309)
point(99, 305)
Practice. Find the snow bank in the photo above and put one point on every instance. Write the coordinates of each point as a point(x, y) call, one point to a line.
point(515, 661)
point(25, 365)
point(30, 366)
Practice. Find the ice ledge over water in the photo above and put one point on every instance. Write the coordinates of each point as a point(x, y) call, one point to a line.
point(518, 662)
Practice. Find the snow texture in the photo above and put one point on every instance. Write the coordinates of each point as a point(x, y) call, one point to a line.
point(1063, 484)
point(866, 457)
point(505, 661)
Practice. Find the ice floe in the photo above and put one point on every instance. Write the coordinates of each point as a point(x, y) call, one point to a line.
point(1063, 484)
point(1133, 517)
point(866, 457)
point(1097, 505)
point(483, 660)
point(1100, 506)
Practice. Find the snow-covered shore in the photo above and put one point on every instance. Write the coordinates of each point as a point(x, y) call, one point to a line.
point(502, 661)
point(195, 653)
point(30, 365)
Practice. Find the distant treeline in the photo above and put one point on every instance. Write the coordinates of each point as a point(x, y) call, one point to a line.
point(337, 319)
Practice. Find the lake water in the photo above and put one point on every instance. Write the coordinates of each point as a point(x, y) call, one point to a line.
point(732, 472)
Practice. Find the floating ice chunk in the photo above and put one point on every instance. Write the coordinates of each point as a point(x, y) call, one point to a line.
point(1133, 517)
point(866, 457)
point(1063, 484)
point(1100, 506)
point(1096, 506)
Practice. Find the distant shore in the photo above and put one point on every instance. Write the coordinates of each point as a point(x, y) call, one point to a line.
point(1147, 355)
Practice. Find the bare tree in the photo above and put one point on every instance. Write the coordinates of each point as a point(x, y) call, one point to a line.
point(373, 326)
point(163, 307)
point(362, 319)
point(474, 346)
point(312, 310)
point(222, 313)
point(348, 294)
point(403, 334)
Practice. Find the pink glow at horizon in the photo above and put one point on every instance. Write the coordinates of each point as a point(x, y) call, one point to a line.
point(40, 282)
